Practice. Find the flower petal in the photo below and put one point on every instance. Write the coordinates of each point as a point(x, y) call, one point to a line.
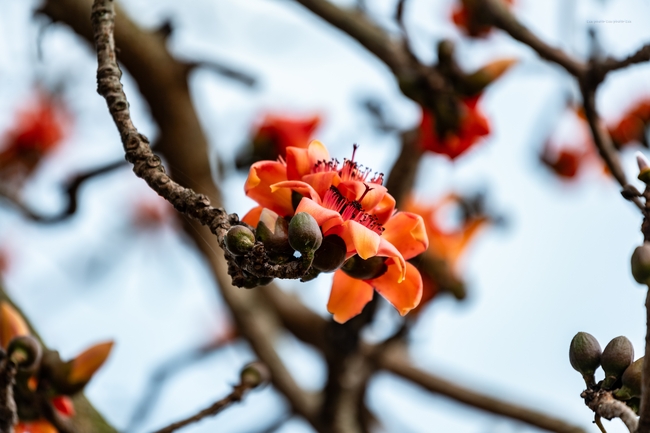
point(348, 297)
point(262, 175)
point(326, 218)
point(300, 162)
point(360, 238)
point(407, 232)
point(253, 216)
point(317, 152)
point(322, 181)
point(372, 193)
point(301, 187)
point(386, 249)
point(88, 362)
point(12, 324)
point(384, 209)
point(403, 296)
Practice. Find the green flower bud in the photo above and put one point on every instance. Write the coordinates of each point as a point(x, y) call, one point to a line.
point(641, 263)
point(255, 374)
point(239, 240)
point(631, 381)
point(304, 234)
point(273, 232)
point(25, 351)
point(584, 355)
point(361, 269)
point(331, 254)
point(616, 357)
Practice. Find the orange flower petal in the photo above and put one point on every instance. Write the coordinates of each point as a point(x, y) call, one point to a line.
point(253, 216)
point(407, 232)
point(38, 426)
point(12, 324)
point(317, 152)
point(262, 175)
point(88, 362)
point(403, 296)
point(348, 297)
point(384, 210)
point(300, 187)
point(372, 193)
point(323, 216)
point(363, 240)
point(322, 181)
point(386, 249)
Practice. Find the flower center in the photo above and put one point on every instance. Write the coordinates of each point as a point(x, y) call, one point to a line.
point(351, 210)
point(349, 170)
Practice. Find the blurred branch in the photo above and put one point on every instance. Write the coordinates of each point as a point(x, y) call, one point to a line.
point(610, 64)
point(401, 177)
point(395, 361)
point(226, 71)
point(504, 19)
point(164, 372)
point(235, 396)
point(71, 190)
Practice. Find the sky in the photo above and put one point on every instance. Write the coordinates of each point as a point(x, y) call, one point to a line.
point(558, 266)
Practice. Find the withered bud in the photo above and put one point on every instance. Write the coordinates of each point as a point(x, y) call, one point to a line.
point(25, 351)
point(304, 234)
point(239, 240)
point(631, 381)
point(617, 356)
point(331, 254)
point(641, 263)
point(361, 269)
point(584, 355)
point(255, 374)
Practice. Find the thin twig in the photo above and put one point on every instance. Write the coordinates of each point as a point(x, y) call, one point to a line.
point(166, 371)
point(235, 396)
point(71, 190)
point(606, 406)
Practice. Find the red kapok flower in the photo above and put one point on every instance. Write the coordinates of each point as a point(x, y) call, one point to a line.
point(39, 130)
point(473, 126)
point(275, 135)
point(632, 126)
point(346, 203)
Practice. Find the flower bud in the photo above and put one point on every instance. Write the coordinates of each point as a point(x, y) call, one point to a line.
point(304, 234)
point(617, 356)
point(25, 351)
point(239, 240)
point(631, 381)
point(361, 269)
point(584, 355)
point(641, 263)
point(331, 254)
point(255, 374)
point(644, 167)
point(273, 232)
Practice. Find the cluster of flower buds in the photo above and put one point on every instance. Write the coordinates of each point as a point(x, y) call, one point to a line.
point(622, 373)
point(41, 375)
point(282, 239)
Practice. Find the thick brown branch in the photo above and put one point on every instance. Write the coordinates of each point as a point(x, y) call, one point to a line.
point(394, 361)
point(502, 17)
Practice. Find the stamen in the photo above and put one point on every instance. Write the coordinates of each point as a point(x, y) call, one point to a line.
point(351, 210)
